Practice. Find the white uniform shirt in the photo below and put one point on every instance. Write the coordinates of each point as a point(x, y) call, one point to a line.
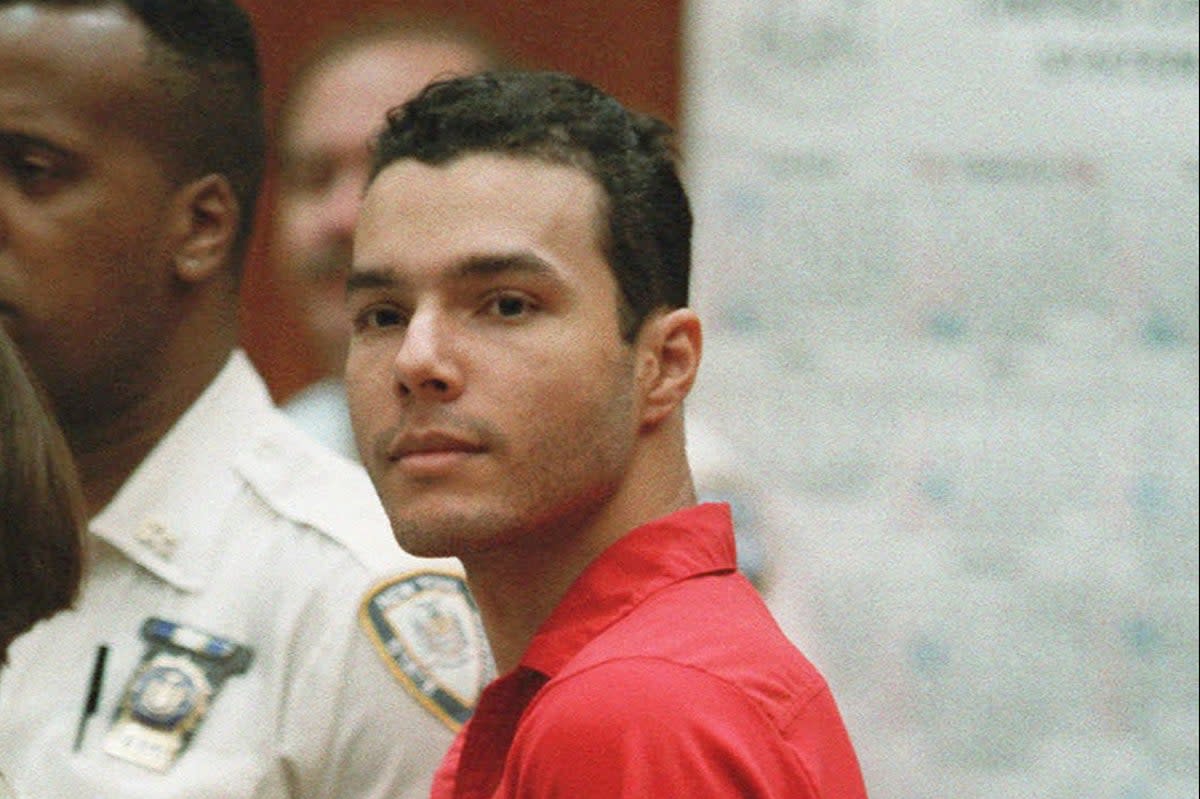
point(239, 526)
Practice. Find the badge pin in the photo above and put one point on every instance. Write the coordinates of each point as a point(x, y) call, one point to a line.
point(170, 692)
point(427, 629)
point(157, 538)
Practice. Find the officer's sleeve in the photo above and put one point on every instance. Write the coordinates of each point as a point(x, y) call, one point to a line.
point(350, 729)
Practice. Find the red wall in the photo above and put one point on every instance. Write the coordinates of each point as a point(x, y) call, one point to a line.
point(628, 47)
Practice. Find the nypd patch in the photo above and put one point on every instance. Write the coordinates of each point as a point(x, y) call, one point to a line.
point(426, 627)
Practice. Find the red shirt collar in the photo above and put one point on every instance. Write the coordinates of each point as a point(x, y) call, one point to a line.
point(688, 543)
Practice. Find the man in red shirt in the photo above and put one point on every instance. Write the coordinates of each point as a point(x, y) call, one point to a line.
point(522, 348)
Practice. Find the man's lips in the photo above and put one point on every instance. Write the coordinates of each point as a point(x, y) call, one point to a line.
point(428, 445)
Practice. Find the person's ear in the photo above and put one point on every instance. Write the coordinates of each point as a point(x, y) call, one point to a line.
point(206, 226)
point(668, 352)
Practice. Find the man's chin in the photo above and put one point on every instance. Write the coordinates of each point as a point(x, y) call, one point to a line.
point(422, 547)
point(447, 536)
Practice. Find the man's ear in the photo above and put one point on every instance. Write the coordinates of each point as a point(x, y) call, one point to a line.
point(206, 227)
point(668, 348)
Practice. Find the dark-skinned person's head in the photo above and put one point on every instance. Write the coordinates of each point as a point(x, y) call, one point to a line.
point(131, 151)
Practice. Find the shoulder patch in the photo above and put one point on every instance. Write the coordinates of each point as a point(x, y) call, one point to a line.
point(425, 626)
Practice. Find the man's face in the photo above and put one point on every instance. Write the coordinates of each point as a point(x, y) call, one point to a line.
point(83, 204)
point(324, 150)
point(493, 397)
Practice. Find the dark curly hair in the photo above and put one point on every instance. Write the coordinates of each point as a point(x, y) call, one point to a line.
point(560, 119)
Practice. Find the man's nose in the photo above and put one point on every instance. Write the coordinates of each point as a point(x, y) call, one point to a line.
point(426, 364)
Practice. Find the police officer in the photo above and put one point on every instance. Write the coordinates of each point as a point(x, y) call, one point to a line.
point(248, 627)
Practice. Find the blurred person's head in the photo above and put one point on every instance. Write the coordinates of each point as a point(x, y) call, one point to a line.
point(131, 151)
point(335, 103)
point(41, 508)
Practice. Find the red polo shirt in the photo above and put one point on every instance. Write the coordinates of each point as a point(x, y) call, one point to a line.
point(660, 674)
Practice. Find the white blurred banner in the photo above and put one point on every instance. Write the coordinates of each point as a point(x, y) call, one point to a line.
point(947, 255)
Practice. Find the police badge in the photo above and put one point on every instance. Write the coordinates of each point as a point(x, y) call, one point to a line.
point(170, 692)
point(427, 629)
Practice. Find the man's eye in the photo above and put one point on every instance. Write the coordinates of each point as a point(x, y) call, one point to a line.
point(378, 318)
point(511, 306)
point(33, 165)
point(31, 170)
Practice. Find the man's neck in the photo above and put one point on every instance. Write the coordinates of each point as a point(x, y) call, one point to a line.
point(519, 585)
point(109, 451)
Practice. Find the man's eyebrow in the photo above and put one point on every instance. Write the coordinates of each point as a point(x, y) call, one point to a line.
point(368, 277)
point(522, 262)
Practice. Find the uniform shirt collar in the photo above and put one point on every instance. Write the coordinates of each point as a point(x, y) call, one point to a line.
point(162, 517)
point(688, 543)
